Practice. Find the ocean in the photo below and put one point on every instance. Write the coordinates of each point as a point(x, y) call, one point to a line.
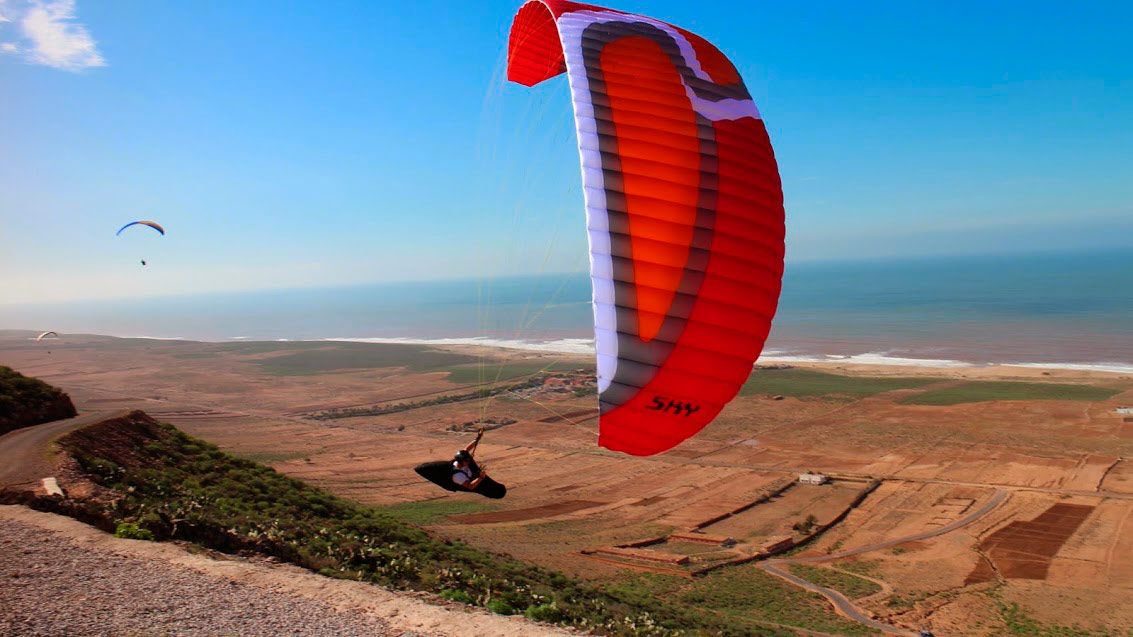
point(1060, 310)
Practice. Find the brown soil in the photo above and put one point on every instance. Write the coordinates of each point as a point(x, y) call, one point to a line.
point(532, 513)
point(581, 415)
point(1024, 549)
point(936, 462)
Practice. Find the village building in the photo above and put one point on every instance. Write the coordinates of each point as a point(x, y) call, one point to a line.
point(813, 478)
point(777, 544)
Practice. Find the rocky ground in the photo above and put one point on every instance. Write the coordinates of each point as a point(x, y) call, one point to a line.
point(59, 577)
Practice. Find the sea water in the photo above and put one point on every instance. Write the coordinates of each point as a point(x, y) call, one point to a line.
point(1047, 309)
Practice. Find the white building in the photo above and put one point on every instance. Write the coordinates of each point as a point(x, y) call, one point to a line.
point(813, 478)
point(1124, 411)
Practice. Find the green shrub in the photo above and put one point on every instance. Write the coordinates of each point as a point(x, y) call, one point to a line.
point(500, 607)
point(457, 596)
point(26, 401)
point(804, 526)
point(548, 613)
point(132, 531)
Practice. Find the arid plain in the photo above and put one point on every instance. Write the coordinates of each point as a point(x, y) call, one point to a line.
point(965, 500)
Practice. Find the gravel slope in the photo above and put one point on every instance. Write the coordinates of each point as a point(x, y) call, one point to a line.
point(53, 588)
point(61, 577)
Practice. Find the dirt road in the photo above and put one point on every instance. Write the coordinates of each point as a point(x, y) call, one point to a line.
point(26, 454)
point(780, 567)
point(840, 601)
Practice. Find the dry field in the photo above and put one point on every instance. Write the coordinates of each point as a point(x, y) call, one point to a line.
point(1058, 550)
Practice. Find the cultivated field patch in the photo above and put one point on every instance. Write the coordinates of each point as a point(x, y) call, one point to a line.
point(807, 383)
point(529, 513)
point(1024, 549)
point(340, 356)
point(983, 391)
point(490, 371)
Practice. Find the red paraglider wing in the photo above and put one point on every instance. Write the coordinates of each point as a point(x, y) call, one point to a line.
point(684, 212)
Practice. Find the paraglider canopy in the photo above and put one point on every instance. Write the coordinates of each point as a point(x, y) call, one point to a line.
point(684, 210)
point(153, 224)
point(45, 335)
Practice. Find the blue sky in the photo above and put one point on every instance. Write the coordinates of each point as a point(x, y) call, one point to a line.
point(303, 144)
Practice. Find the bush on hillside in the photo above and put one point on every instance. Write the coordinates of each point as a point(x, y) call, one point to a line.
point(28, 401)
point(172, 486)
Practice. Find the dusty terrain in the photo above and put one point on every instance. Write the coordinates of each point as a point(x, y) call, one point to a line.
point(1051, 459)
point(63, 577)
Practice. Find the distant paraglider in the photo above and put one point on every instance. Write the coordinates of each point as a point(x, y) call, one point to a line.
point(143, 222)
point(44, 335)
point(153, 224)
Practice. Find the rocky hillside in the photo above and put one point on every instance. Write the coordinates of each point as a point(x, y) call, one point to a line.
point(29, 401)
point(151, 481)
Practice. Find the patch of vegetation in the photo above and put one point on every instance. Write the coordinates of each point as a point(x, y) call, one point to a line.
point(869, 568)
point(548, 613)
point(393, 408)
point(430, 511)
point(500, 607)
point(747, 593)
point(487, 423)
point(26, 401)
point(849, 585)
point(807, 383)
point(906, 601)
point(804, 527)
point(457, 596)
point(173, 486)
point(1018, 622)
point(982, 391)
point(746, 599)
point(314, 358)
point(490, 371)
point(132, 531)
point(699, 549)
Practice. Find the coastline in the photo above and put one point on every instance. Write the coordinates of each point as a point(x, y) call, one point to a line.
point(857, 362)
point(874, 363)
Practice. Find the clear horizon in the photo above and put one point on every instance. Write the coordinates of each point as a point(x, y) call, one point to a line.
point(474, 280)
point(1067, 308)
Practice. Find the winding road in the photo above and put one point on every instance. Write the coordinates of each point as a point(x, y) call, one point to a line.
point(843, 603)
point(26, 454)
